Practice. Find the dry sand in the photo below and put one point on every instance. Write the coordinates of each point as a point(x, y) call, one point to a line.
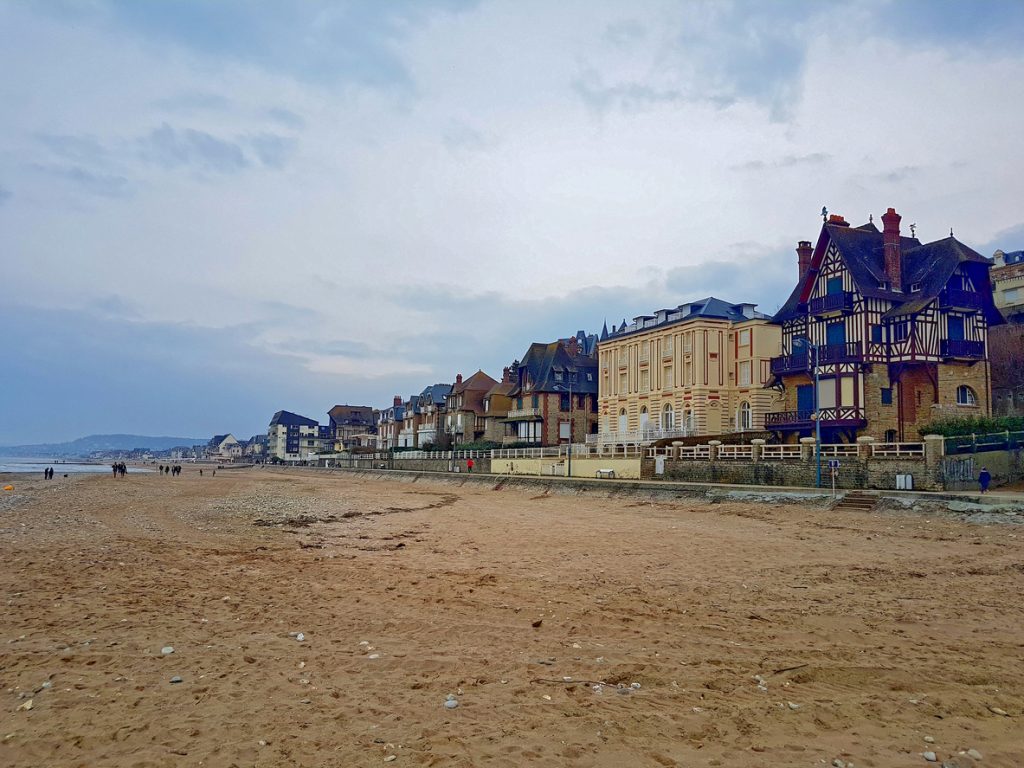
point(881, 629)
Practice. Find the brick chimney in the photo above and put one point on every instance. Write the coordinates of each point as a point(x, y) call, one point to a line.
point(506, 375)
point(891, 246)
point(837, 220)
point(458, 378)
point(398, 399)
point(803, 256)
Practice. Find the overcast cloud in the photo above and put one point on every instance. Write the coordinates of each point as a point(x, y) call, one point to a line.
point(211, 211)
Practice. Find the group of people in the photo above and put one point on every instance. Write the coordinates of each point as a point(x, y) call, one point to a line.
point(119, 470)
point(169, 470)
point(48, 473)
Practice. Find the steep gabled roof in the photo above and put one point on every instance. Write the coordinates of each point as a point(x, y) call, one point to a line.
point(543, 361)
point(435, 393)
point(478, 381)
point(862, 251)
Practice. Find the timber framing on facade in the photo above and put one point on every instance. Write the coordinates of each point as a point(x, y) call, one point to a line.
point(898, 330)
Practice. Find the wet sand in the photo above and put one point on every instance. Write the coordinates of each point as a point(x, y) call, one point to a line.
point(573, 630)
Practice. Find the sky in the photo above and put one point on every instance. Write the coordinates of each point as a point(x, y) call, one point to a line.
point(213, 211)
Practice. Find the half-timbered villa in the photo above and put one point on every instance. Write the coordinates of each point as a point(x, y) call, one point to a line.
point(897, 329)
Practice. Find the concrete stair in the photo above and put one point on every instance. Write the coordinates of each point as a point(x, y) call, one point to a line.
point(856, 501)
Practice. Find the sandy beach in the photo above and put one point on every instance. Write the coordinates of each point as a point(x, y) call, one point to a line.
point(572, 630)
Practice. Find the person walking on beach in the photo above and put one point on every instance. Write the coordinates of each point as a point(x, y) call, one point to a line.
point(984, 478)
point(200, 473)
point(469, 465)
point(113, 468)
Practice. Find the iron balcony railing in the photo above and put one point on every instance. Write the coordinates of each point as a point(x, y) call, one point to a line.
point(845, 352)
point(831, 302)
point(958, 298)
point(971, 350)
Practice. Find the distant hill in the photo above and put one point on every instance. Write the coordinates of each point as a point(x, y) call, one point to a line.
point(83, 446)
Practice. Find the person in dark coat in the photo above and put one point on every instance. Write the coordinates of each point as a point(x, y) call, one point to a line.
point(984, 478)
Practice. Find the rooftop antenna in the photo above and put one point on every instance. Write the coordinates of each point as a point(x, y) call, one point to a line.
point(824, 213)
point(871, 218)
point(913, 230)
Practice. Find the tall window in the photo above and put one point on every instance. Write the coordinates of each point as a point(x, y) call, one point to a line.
point(744, 378)
point(668, 418)
point(746, 419)
point(965, 395)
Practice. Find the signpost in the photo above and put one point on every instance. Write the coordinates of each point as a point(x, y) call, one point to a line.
point(833, 465)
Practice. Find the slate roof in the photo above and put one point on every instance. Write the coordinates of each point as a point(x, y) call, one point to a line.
point(709, 307)
point(861, 249)
point(351, 415)
point(289, 419)
point(543, 361)
point(435, 393)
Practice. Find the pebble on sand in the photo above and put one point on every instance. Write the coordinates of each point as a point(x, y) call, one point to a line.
point(390, 758)
point(176, 679)
point(451, 704)
point(930, 757)
point(974, 754)
point(167, 650)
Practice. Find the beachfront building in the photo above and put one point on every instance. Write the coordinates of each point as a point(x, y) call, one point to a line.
point(497, 403)
point(390, 424)
point(421, 417)
point(255, 449)
point(897, 328)
point(1008, 284)
point(350, 425)
point(554, 393)
point(223, 448)
point(464, 419)
point(294, 438)
point(697, 369)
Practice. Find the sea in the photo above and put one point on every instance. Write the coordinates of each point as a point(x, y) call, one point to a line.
point(60, 466)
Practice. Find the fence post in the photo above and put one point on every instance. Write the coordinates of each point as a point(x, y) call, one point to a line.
point(675, 448)
point(756, 446)
point(713, 449)
point(864, 447)
point(934, 448)
point(806, 449)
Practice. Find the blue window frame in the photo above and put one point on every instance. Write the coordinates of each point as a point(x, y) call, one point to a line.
point(886, 396)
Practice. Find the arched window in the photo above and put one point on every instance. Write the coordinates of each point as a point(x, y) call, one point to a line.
point(668, 418)
point(622, 420)
point(965, 395)
point(746, 420)
point(643, 418)
point(688, 421)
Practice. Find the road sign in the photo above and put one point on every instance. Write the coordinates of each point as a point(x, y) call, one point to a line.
point(833, 463)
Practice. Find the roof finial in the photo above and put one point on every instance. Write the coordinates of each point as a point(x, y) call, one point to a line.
point(913, 228)
point(950, 231)
point(871, 218)
point(824, 213)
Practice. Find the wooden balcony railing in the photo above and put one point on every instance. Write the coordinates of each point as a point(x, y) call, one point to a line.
point(958, 298)
point(844, 416)
point(832, 302)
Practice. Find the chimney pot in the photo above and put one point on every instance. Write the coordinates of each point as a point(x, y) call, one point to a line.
point(458, 378)
point(398, 400)
point(837, 220)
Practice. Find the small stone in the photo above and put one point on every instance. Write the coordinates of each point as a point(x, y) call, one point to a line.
point(262, 743)
point(373, 656)
point(300, 637)
point(546, 697)
point(390, 758)
point(974, 754)
point(930, 757)
point(566, 679)
point(576, 645)
point(929, 740)
point(837, 763)
point(451, 704)
point(26, 706)
point(635, 686)
point(998, 711)
point(305, 701)
point(176, 679)
point(450, 697)
point(46, 684)
point(793, 706)
point(167, 650)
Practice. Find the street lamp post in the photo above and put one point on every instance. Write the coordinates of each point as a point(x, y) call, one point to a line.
point(812, 350)
point(568, 471)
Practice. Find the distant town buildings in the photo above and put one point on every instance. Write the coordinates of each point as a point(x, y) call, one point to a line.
point(1008, 284)
point(352, 426)
point(465, 418)
point(293, 438)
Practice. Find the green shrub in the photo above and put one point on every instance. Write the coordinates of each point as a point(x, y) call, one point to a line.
point(973, 425)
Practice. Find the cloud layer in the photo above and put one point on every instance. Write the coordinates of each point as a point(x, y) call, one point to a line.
point(346, 201)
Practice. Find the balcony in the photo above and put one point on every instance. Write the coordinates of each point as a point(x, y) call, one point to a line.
point(797, 363)
point(847, 352)
point(830, 417)
point(522, 414)
point(958, 298)
point(962, 349)
point(832, 302)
